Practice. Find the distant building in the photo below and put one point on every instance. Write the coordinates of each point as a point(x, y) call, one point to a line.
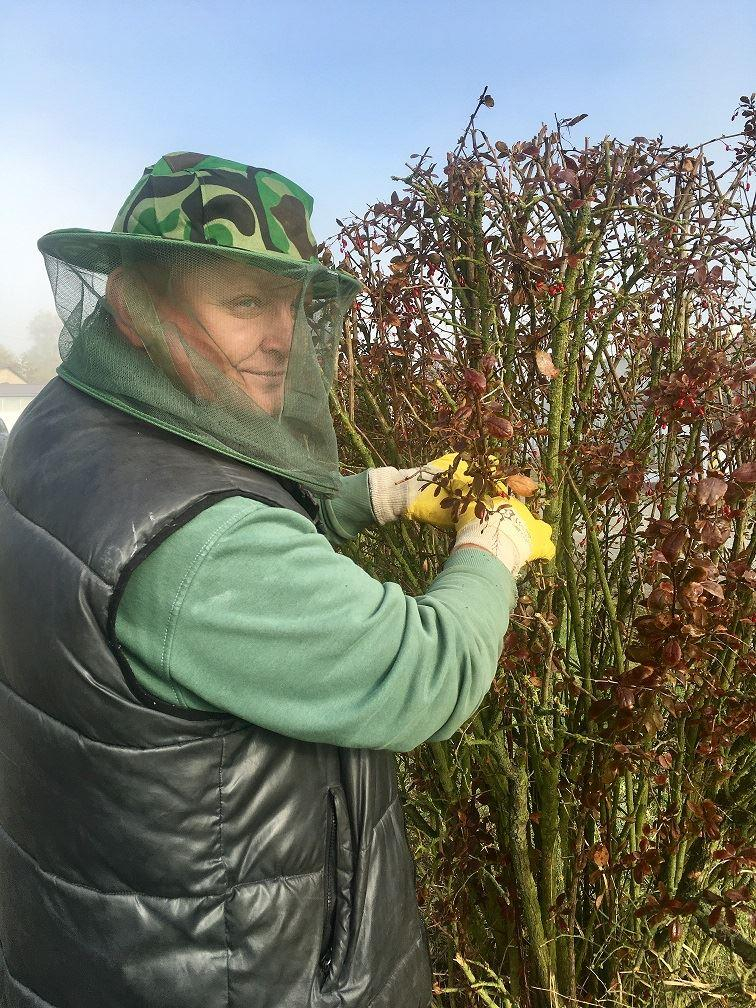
point(9, 377)
point(15, 396)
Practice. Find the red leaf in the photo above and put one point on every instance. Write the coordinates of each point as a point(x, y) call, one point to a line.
point(499, 427)
point(475, 380)
point(674, 544)
point(625, 696)
point(710, 490)
point(672, 652)
point(745, 473)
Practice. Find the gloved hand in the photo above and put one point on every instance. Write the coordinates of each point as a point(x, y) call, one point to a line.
point(511, 533)
point(537, 530)
point(399, 493)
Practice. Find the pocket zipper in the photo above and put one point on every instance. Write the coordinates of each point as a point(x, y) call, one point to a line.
point(330, 889)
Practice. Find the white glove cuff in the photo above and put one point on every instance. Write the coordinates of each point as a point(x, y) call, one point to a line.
point(391, 493)
point(504, 534)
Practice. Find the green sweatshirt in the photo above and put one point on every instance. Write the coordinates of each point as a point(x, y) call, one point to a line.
point(248, 609)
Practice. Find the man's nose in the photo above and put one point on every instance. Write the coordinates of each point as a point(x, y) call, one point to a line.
point(280, 327)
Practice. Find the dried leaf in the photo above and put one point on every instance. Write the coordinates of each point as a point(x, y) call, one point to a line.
point(521, 485)
point(545, 364)
point(600, 856)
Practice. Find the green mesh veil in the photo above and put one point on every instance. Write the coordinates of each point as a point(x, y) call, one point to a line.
point(233, 351)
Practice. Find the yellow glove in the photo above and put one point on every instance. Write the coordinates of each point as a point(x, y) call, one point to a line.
point(424, 506)
point(399, 493)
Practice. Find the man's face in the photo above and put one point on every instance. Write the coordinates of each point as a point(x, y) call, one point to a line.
point(241, 319)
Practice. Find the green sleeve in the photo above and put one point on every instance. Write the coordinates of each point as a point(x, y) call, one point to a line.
point(247, 609)
point(350, 511)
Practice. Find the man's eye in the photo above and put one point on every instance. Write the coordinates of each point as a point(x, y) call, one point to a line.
point(252, 302)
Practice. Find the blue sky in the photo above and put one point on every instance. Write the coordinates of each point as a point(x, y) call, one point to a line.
point(335, 96)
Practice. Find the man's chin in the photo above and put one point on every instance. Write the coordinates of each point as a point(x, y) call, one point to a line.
point(267, 392)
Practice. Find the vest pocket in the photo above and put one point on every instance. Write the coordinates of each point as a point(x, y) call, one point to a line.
point(337, 889)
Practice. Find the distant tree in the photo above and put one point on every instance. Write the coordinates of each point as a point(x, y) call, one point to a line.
point(8, 359)
point(39, 362)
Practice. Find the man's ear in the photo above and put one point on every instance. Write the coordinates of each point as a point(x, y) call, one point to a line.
point(115, 294)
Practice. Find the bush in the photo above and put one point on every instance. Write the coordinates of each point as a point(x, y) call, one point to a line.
point(577, 321)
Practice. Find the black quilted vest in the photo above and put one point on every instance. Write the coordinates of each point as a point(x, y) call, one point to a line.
point(150, 856)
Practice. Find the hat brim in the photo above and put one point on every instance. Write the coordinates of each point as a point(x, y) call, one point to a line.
point(101, 252)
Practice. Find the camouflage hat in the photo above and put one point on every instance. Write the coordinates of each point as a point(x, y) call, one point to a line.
point(208, 202)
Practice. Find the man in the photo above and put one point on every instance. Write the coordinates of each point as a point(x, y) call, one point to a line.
point(3, 438)
point(200, 698)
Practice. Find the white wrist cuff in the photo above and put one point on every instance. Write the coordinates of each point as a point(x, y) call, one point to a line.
point(504, 534)
point(390, 492)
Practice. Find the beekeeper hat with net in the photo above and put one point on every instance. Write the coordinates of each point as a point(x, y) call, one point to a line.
point(206, 311)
